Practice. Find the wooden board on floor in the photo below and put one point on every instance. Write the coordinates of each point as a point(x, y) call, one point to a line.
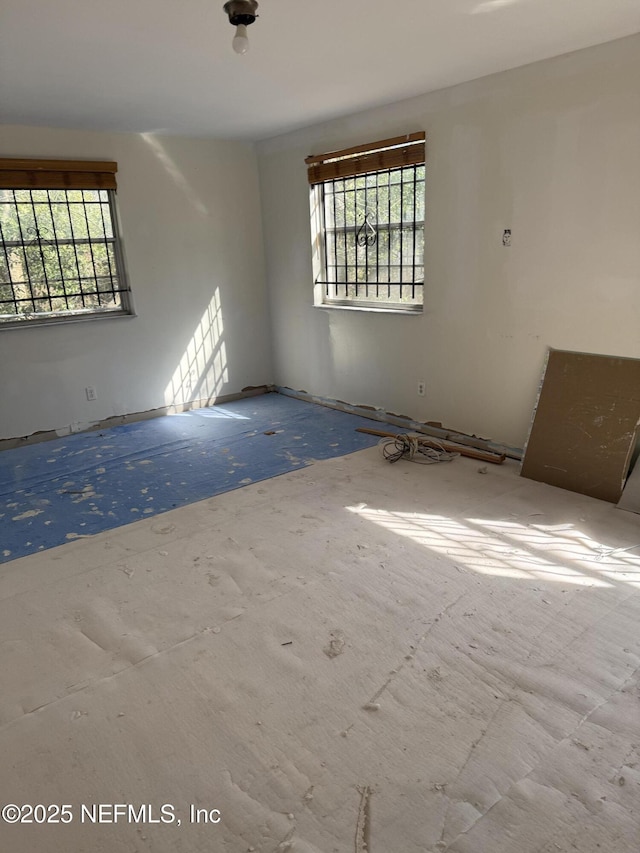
point(585, 424)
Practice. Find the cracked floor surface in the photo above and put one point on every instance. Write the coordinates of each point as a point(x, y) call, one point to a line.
point(356, 657)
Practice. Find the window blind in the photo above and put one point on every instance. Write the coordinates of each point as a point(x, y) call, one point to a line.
point(409, 150)
point(16, 174)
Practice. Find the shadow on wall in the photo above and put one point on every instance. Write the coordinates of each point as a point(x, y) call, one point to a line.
point(172, 169)
point(202, 370)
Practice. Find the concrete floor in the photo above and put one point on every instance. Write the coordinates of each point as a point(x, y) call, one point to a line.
point(353, 657)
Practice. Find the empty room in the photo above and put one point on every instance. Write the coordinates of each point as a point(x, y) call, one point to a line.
point(319, 423)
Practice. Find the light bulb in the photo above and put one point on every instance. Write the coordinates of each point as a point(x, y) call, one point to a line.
point(240, 41)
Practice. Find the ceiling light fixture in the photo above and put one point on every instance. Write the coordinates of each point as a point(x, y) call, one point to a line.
point(241, 13)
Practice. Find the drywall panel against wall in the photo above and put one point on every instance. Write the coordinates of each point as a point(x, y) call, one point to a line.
point(630, 498)
point(585, 424)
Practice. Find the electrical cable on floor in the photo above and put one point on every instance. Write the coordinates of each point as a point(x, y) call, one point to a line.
point(414, 448)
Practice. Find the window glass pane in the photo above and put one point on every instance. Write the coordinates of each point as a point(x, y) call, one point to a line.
point(372, 258)
point(113, 264)
point(395, 213)
point(35, 268)
point(394, 246)
point(57, 253)
point(26, 222)
point(420, 202)
point(102, 260)
point(8, 221)
point(41, 305)
point(341, 251)
point(16, 265)
point(330, 238)
point(105, 284)
point(67, 262)
point(337, 210)
point(78, 222)
point(75, 302)
point(44, 221)
point(329, 220)
point(374, 237)
point(62, 221)
point(350, 208)
point(85, 263)
point(107, 224)
point(383, 205)
point(407, 247)
point(95, 221)
point(58, 303)
point(371, 203)
point(350, 240)
point(360, 206)
point(408, 201)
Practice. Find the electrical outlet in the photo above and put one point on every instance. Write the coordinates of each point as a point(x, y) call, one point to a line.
point(91, 393)
point(422, 389)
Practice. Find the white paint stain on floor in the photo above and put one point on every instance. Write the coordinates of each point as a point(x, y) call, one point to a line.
point(30, 513)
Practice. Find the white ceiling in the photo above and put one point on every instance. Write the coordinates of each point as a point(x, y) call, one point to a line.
point(167, 65)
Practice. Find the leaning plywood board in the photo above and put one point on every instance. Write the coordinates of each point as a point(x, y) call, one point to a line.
point(585, 424)
point(630, 499)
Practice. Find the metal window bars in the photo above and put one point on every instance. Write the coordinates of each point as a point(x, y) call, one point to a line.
point(59, 254)
point(374, 238)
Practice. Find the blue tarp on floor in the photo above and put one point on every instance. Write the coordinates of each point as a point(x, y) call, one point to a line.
point(56, 491)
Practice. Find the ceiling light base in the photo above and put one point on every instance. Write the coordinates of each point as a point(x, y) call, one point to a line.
point(241, 12)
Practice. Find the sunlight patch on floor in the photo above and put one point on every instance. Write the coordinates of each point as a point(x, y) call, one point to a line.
point(560, 553)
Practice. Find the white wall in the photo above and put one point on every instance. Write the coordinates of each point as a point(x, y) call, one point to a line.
point(552, 151)
point(190, 217)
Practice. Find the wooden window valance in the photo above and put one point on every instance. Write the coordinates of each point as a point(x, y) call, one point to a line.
point(18, 174)
point(408, 150)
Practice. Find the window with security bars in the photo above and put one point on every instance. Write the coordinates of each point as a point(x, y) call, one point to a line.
point(368, 210)
point(60, 255)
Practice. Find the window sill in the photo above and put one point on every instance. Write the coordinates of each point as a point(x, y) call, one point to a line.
point(407, 312)
point(59, 321)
